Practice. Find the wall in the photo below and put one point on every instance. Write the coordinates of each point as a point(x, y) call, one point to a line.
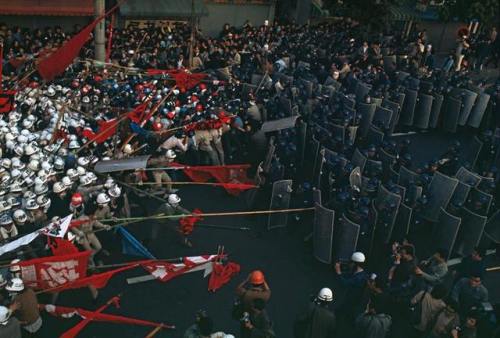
point(66, 22)
point(235, 15)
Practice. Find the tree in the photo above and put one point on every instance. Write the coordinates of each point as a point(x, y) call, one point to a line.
point(485, 11)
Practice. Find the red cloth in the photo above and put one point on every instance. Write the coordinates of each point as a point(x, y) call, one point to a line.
point(88, 316)
point(98, 280)
point(184, 80)
point(106, 130)
point(222, 274)
point(53, 271)
point(57, 62)
point(187, 223)
point(165, 271)
point(152, 71)
point(192, 173)
point(6, 101)
point(61, 246)
point(137, 115)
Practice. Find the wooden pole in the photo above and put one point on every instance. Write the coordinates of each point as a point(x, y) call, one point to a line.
point(154, 332)
point(196, 183)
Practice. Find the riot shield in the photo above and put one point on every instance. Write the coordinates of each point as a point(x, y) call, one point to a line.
point(437, 103)
point(402, 225)
point(414, 193)
point(347, 101)
point(401, 76)
point(468, 99)
point(468, 177)
point(470, 232)
point(266, 166)
point(366, 110)
point(477, 113)
point(451, 114)
point(426, 87)
point(358, 159)
point(362, 89)
point(317, 196)
point(313, 156)
point(323, 227)
point(308, 86)
point(408, 108)
point(376, 101)
point(389, 61)
point(460, 194)
point(394, 107)
point(413, 83)
point(372, 166)
point(399, 98)
point(440, 191)
point(374, 136)
point(286, 105)
point(382, 117)
point(471, 154)
point(393, 175)
point(423, 111)
point(407, 177)
point(387, 161)
point(284, 123)
point(345, 239)
point(479, 201)
point(492, 228)
point(132, 163)
point(338, 132)
point(401, 191)
point(302, 136)
point(387, 204)
point(352, 132)
point(318, 166)
point(445, 231)
point(280, 199)
point(355, 179)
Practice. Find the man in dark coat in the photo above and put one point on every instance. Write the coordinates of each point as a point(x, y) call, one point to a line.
point(318, 321)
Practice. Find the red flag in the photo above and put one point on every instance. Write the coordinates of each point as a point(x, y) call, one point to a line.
point(60, 246)
point(1, 66)
point(152, 71)
point(187, 223)
point(106, 130)
point(184, 80)
point(165, 271)
point(98, 280)
point(88, 316)
point(53, 271)
point(193, 174)
point(7, 101)
point(222, 274)
point(57, 62)
point(137, 115)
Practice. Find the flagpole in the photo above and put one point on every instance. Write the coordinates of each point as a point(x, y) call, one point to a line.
point(199, 183)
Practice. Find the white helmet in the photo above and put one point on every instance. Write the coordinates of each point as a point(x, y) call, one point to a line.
point(83, 161)
point(358, 257)
point(19, 150)
point(115, 191)
point(81, 171)
point(33, 165)
point(29, 195)
point(67, 181)
point(325, 295)
point(173, 199)
point(15, 284)
point(59, 187)
point(72, 174)
point(15, 188)
point(14, 265)
point(85, 180)
point(59, 163)
point(4, 206)
point(171, 154)
point(109, 182)
point(41, 189)
point(92, 176)
point(14, 201)
point(6, 163)
point(15, 173)
point(20, 216)
point(103, 198)
point(4, 313)
point(74, 145)
point(32, 205)
point(127, 149)
point(46, 166)
point(43, 202)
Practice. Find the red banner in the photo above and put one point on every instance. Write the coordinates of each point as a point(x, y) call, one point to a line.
point(137, 115)
point(7, 101)
point(183, 79)
point(61, 246)
point(106, 130)
point(50, 272)
point(187, 223)
point(222, 274)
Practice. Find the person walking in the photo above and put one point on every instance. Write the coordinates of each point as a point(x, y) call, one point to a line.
point(318, 321)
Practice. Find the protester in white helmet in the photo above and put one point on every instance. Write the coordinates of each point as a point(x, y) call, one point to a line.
point(161, 177)
point(7, 228)
point(27, 311)
point(10, 326)
point(318, 320)
point(174, 209)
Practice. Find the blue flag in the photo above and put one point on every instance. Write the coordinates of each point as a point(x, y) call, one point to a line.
point(131, 246)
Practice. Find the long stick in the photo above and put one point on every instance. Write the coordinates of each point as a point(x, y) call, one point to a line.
point(154, 332)
point(211, 214)
point(197, 183)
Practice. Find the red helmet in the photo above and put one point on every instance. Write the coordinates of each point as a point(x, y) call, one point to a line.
point(203, 86)
point(75, 84)
point(157, 126)
point(257, 277)
point(194, 98)
point(76, 199)
point(139, 88)
point(97, 78)
point(33, 84)
point(199, 107)
point(170, 115)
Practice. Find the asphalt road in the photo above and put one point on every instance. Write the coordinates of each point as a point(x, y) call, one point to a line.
point(291, 271)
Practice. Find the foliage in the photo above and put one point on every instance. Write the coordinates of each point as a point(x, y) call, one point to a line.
point(486, 11)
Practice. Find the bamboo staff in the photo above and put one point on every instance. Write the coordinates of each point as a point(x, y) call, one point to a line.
point(211, 214)
point(197, 183)
point(154, 332)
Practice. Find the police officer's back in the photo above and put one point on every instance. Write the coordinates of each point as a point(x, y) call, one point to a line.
point(318, 321)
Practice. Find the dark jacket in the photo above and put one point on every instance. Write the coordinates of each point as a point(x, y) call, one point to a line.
point(316, 322)
point(373, 325)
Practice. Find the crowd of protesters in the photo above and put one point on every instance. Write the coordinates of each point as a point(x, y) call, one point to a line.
point(49, 149)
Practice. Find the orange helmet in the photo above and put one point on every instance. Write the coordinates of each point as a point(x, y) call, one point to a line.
point(76, 199)
point(257, 277)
